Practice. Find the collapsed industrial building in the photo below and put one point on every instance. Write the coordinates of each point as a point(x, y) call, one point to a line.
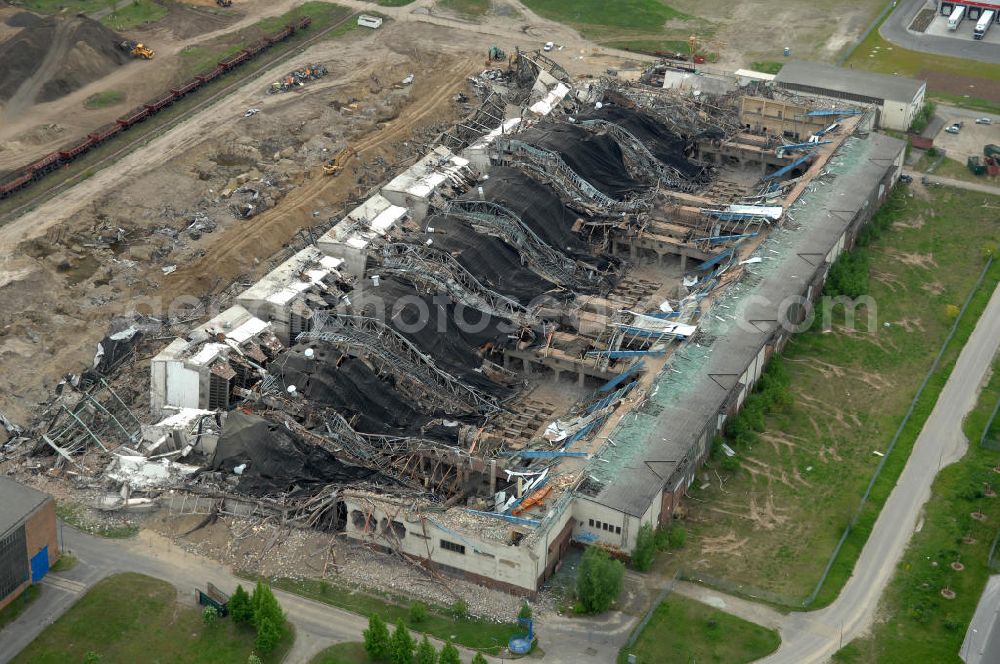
point(526, 339)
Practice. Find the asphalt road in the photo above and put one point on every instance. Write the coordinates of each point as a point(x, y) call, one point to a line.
point(317, 625)
point(982, 640)
point(814, 636)
point(894, 30)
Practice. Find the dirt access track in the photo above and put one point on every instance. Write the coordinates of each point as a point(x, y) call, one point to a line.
point(151, 196)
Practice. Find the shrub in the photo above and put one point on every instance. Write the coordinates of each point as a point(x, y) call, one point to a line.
point(209, 616)
point(401, 646)
point(525, 612)
point(848, 275)
point(677, 537)
point(240, 608)
point(91, 658)
point(479, 659)
point(600, 580)
point(460, 609)
point(951, 311)
point(377, 639)
point(449, 655)
point(418, 613)
point(645, 548)
point(254, 659)
point(426, 653)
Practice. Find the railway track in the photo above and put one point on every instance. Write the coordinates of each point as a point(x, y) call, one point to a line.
point(39, 193)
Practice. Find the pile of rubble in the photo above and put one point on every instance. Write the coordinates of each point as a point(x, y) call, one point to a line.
point(297, 78)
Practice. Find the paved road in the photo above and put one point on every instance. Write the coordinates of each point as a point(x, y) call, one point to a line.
point(317, 625)
point(982, 640)
point(894, 29)
point(958, 184)
point(813, 637)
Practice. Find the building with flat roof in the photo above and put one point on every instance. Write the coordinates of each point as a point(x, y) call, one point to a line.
point(28, 542)
point(897, 98)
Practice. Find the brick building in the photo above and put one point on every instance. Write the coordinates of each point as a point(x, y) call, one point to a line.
point(28, 542)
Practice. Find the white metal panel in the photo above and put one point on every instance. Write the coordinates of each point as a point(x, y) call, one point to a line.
point(183, 386)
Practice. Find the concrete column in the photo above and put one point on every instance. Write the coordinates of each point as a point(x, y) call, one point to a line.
point(684, 262)
point(527, 367)
point(580, 378)
point(557, 374)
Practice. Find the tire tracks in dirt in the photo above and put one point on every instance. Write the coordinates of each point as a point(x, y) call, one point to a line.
point(273, 228)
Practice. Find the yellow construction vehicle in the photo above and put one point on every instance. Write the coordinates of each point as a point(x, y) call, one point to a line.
point(336, 165)
point(136, 49)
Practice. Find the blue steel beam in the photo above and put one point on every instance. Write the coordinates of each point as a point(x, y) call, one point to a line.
point(619, 354)
point(716, 239)
point(788, 169)
point(782, 149)
point(507, 517)
point(548, 454)
point(617, 380)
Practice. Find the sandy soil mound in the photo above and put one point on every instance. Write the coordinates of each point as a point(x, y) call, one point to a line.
point(51, 56)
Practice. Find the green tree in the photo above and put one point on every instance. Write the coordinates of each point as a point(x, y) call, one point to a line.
point(645, 548)
point(479, 659)
point(401, 646)
point(265, 605)
point(268, 635)
point(426, 653)
point(240, 608)
point(525, 611)
point(377, 639)
point(676, 537)
point(599, 581)
point(254, 658)
point(449, 655)
point(460, 609)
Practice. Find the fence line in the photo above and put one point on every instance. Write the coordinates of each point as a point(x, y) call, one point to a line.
point(667, 589)
point(874, 24)
point(991, 445)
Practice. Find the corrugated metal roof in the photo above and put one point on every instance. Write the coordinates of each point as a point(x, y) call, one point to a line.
point(657, 444)
point(16, 502)
point(851, 81)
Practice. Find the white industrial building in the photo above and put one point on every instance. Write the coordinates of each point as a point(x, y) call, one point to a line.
point(351, 238)
point(202, 370)
point(430, 180)
point(289, 295)
point(897, 99)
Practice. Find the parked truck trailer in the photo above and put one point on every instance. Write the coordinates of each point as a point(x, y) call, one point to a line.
point(985, 21)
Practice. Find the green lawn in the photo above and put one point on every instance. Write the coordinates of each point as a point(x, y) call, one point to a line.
point(469, 8)
point(683, 630)
point(342, 653)
point(917, 624)
point(767, 66)
point(104, 99)
point(475, 634)
point(393, 3)
point(768, 527)
point(129, 618)
point(635, 24)
point(138, 13)
point(69, 6)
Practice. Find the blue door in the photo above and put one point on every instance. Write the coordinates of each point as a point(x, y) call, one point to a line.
point(40, 565)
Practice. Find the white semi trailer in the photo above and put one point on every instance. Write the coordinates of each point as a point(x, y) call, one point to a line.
point(985, 21)
point(956, 17)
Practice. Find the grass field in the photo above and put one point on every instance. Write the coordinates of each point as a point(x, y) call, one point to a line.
point(683, 630)
point(67, 6)
point(129, 618)
point(342, 653)
point(469, 8)
point(773, 523)
point(104, 99)
point(138, 13)
point(918, 624)
point(476, 634)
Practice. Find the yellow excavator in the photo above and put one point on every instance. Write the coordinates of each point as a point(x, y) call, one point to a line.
point(137, 49)
point(336, 165)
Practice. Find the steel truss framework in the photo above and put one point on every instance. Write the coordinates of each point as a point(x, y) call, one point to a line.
point(438, 269)
point(394, 354)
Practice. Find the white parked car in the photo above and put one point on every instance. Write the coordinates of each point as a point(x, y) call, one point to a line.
point(955, 128)
point(984, 121)
point(548, 46)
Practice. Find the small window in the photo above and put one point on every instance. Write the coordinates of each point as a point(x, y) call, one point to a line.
point(451, 546)
point(598, 524)
point(591, 523)
point(618, 530)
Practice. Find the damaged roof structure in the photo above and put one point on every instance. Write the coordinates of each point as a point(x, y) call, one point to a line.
point(525, 339)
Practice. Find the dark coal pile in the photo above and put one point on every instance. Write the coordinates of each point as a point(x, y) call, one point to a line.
point(432, 324)
point(278, 460)
point(372, 404)
point(669, 148)
point(597, 158)
point(67, 53)
point(494, 263)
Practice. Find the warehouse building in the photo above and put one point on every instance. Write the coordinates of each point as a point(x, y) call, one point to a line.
point(28, 543)
point(897, 99)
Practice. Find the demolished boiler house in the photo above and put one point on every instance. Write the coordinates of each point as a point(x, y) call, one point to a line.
point(528, 338)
